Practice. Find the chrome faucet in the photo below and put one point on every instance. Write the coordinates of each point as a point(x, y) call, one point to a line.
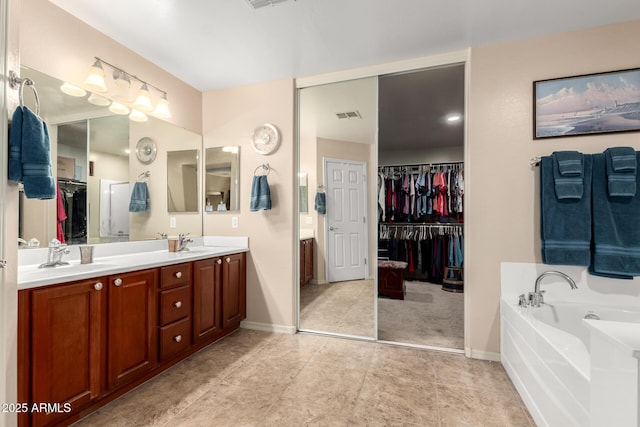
point(536, 298)
point(183, 241)
point(56, 251)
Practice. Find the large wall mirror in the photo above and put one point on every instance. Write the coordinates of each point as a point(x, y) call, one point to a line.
point(221, 179)
point(94, 162)
point(182, 181)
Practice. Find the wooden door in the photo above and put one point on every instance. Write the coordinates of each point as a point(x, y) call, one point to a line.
point(233, 289)
point(132, 336)
point(308, 260)
point(207, 317)
point(66, 347)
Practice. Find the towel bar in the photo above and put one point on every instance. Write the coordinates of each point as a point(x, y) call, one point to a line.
point(16, 83)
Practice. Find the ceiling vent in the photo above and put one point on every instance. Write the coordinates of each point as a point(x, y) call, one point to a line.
point(349, 115)
point(262, 3)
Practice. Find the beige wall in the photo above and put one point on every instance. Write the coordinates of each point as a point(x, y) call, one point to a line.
point(501, 199)
point(229, 117)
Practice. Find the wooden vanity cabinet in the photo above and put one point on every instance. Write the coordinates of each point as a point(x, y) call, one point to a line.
point(174, 301)
point(66, 346)
point(234, 308)
point(207, 294)
point(131, 325)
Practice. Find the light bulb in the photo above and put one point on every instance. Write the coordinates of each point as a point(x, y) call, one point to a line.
point(72, 90)
point(138, 116)
point(162, 108)
point(95, 79)
point(118, 108)
point(143, 101)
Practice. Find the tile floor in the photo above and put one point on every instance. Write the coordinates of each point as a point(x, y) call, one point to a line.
point(253, 378)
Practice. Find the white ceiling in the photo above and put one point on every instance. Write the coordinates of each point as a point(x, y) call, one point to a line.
point(212, 44)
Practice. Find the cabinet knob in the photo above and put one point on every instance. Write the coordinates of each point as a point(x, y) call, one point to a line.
point(179, 274)
point(177, 338)
point(98, 286)
point(177, 304)
point(219, 261)
point(117, 282)
point(228, 259)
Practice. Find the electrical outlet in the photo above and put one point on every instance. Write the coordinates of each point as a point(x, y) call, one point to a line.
point(234, 222)
point(172, 222)
point(308, 220)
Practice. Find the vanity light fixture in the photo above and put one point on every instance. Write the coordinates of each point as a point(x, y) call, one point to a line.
point(120, 91)
point(138, 116)
point(117, 108)
point(72, 90)
point(98, 100)
point(95, 79)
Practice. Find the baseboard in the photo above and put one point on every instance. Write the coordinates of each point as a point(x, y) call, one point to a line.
point(268, 327)
point(482, 355)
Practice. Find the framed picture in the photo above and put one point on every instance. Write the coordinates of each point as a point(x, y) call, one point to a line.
point(587, 105)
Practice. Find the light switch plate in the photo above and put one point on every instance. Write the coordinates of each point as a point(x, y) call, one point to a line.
point(172, 222)
point(234, 222)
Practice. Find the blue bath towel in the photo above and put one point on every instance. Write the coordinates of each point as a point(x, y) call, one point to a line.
point(568, 174)
point(15, 146)
point(621, 171)
point(320, 204)
point(36, 158)
point(565, 224)
point(260, 194)
point(140, 200)
point(616, 233)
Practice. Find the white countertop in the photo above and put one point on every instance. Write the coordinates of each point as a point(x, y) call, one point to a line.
point(120, 258)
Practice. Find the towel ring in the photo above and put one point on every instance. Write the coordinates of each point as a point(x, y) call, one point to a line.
point(16, 82)
point(264, 166)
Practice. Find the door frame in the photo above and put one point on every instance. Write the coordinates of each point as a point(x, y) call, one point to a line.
point(365, 210)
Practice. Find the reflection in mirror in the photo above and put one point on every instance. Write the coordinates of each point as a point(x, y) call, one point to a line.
point(303, 192)
point(222, 179)
point(336, 281)
point(90, 157)
point(182, 181)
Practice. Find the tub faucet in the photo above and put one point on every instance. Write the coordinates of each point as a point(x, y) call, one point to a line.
point(56, 251)
point(536, 298)
point(183, 241)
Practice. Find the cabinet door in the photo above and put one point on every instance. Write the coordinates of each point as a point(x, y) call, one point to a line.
point(132, 342)
point(207, 318)
point(308, 260)
point(233, 289)
point(66, 346)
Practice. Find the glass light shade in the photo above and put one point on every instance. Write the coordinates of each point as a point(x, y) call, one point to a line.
point(98, 100)
point(138, 116)
point(117, 108)
point(162, 108)
point(122, 84)
point(72, 90)
point(95, 79)
point(143, 101)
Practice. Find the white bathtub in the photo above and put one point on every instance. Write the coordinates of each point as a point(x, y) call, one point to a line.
point(546, 352)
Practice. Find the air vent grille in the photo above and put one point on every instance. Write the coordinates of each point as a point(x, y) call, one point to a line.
point(349, 115)
point(261, 3)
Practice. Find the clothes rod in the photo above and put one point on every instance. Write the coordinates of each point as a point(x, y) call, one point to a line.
point(422, 164)
point(408, 224)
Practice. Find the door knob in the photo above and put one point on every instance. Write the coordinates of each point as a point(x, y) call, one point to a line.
point(219, 261)
point(331, 228)
point(178, 304)
point(178, 274)
point(117, 282)
point(177, 338)
point(228, 259)
point(98, 286)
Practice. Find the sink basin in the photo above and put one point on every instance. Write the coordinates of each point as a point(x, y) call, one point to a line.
point(72, 268)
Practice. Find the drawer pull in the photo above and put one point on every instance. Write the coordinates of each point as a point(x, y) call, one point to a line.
point(219, 261)
point(179, 274)
point(177, 338)
point(98, 286)
point(177, 304)
point(228, 259)
point(117, 282)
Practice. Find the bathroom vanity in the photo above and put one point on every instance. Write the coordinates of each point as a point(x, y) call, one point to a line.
point(84, 342)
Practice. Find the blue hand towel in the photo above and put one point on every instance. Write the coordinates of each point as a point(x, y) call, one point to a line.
point(15, 146)
point(321, 203)
point(565, 223)
point(36, 158)
point(616, 234)
point(621, 171)
point(140, 201)
point(568, 174)
point(260, 194)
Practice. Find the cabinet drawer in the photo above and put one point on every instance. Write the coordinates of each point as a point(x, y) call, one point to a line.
point(175, 338)
point(173, 275)
point(174, 304)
